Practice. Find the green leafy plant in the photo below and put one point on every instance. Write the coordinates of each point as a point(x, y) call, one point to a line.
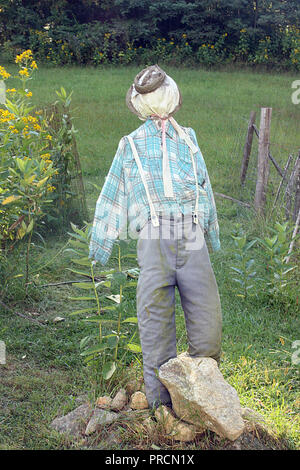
point(276, 248)
point(26, 168)
point(244, 269)
point(244, 273)
point(114, 339)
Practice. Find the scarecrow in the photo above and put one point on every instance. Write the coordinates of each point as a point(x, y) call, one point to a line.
point(159, 189)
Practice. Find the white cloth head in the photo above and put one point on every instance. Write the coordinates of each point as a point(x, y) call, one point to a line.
point(160, 102)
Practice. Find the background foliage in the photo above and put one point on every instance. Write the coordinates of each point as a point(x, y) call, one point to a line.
point(131, 31)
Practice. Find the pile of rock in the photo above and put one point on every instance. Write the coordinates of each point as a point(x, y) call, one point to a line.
point(201, 400)
point(87, 419)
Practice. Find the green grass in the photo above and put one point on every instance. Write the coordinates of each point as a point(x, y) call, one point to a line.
point(44, 371)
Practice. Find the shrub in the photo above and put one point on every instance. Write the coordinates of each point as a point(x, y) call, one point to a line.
point(36, 162)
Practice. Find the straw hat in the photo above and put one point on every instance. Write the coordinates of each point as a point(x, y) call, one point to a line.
point(153, 92)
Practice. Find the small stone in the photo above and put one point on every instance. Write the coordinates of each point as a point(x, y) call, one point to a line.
point(138, 401)
point(175, 429)
point(115, 298)
point(134, 386)
point(100, 418)
point(73, 422)
point(58, 319)
point(103, 402)
point(119, 400)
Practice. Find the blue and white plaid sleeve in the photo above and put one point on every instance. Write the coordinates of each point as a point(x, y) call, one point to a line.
point(111, 210)
point(213, 226)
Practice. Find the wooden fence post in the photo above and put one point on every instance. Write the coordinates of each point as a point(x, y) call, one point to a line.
point(247, 147)
point(263, 165)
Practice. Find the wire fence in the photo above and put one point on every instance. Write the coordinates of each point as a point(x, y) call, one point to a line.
point(283, 167)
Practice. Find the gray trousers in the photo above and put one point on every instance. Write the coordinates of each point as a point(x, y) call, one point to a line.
point(175, 254)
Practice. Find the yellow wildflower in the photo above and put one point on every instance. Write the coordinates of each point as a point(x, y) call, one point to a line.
point(11, 90)
point(3, 73)
point(33, 65)
point(31, 118)
point(37, 127)
point(50, 188)
point(49, 137)
point(24, 56)
point(6, 116)
point(45, 156)
point(184, 35)
point(29, 94)
point(24, 72)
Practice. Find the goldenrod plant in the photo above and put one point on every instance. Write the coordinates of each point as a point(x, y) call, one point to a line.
point(26, 168)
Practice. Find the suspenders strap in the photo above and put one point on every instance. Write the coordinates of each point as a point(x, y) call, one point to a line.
point(195, 213)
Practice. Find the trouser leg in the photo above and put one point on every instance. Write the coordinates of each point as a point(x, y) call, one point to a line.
point(156, 313)
point(200, 299)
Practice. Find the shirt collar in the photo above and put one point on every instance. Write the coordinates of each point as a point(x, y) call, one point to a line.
point(153, 130)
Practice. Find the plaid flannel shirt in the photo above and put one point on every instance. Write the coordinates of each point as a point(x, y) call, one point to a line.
point(122, 208)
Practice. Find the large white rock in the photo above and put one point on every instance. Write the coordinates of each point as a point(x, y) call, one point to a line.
point(201, 396)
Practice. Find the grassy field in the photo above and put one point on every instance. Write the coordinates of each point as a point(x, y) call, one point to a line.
point(44, 372)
